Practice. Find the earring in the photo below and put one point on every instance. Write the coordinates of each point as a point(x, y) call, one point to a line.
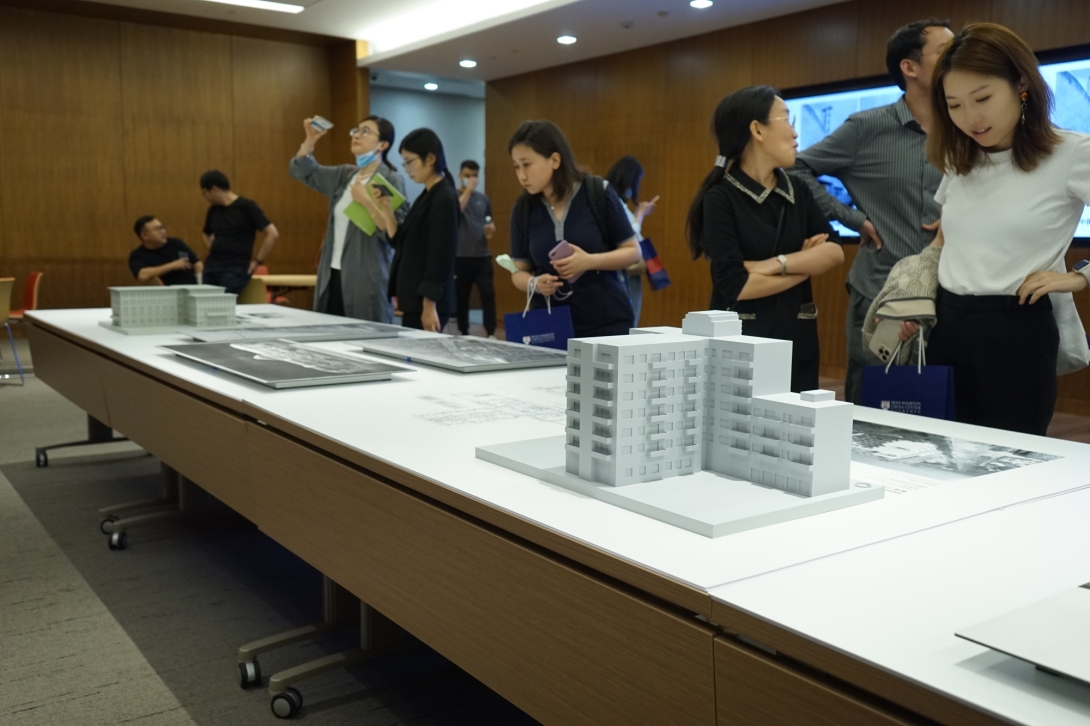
point(1025, 97)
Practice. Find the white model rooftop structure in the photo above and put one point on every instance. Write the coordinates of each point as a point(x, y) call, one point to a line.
point(163, 307)
point(663, 403)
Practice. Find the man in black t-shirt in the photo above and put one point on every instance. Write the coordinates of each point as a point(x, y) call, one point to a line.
point(230, 227)
point(167, 258)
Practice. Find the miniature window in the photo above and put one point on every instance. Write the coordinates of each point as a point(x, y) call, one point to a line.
point(656, 357)
point(626, 449)
point(628, 472)
point(576, 371)
point(643, 470)
point(711, 353)
point(626, 433)
point(626, 396)
point(643, 376)
point(654, 468)
point(643, 359)
point(607, 358)
point(807, 421)
point(669, 465)
point(724, 440)
point(626, 378)
point(628, 359)
point(641, 430)
point(643, 412)
point(640, 447)
point(626, 414)
point(745, 357)
point(690, 354)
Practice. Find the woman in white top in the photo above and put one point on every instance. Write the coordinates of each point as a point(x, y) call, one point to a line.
point(1014, 190)
point(353, 267)
point(625, 176)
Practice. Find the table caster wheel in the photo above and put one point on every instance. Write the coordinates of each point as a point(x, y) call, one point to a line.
point(287, 704)
point(249, 674)
point(41, 459)
point(119, 541)
point(106, 525)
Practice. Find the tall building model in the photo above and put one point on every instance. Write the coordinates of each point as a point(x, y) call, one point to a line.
point(662, 403)
point(149, 307)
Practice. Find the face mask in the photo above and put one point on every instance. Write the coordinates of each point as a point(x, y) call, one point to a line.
point(369, 157)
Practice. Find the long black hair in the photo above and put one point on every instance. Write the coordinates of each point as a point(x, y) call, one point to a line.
point(730, 124)
point(546, 138)
point(624, 176)
point(385, 133)
point(423, 142)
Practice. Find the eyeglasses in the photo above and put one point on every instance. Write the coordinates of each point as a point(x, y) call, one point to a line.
point(408, 160)
point(362, 131)
point(790, 119)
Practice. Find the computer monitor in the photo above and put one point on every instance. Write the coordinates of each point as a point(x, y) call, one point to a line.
point(818, 115)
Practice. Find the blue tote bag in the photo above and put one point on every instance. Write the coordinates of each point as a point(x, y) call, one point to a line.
point(547, 328)
point(918, 389)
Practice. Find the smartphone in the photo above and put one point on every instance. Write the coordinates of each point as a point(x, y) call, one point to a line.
point(321, 123)
point(561, 251)
point(382, 190)
point(887, 336)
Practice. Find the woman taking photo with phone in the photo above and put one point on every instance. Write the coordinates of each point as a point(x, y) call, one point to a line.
point(354, 267)
point(625, 176)
point(765, 237)
point(426, 242)
point(570, 236)
point(1014, 191)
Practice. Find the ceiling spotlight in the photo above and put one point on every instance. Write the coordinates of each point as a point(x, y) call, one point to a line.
point(467, 63)
point(701, 4)
point(566, 39)
point(263, 5)
point(431, 86)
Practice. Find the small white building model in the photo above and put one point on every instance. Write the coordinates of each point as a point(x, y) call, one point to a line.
point(157, 307)
point(665, 402)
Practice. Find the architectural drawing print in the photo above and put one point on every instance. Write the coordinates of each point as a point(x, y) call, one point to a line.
point(647, 407)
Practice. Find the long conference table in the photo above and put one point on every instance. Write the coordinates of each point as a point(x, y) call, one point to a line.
point(580, 612)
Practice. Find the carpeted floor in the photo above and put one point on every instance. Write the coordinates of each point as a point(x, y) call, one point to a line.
point(149, 636)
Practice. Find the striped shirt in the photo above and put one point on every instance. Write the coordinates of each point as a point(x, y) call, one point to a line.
point(880, 155)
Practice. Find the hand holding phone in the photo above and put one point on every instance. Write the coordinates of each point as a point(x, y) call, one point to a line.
point(321, 123)
point(563, 251)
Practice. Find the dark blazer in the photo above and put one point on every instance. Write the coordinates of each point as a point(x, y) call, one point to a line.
point(425, 246)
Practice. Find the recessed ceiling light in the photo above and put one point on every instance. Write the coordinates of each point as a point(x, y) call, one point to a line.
point(566, 39)
point(431, 86)
point(467, 63)
point(263, 5)
point(701, 4)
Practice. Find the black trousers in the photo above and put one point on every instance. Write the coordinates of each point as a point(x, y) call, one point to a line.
point(1004, 359)
point(333, 304)
point(471, 271)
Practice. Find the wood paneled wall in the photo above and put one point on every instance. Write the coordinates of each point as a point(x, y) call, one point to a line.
point(103, 120)
point(656, 104)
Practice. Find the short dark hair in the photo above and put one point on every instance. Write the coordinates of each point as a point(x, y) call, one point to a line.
point(625, 177)
point(908, 42)
point(214, 178)
point(471, 165)
point(988, 49)
point(546, 138)
point(142, 222)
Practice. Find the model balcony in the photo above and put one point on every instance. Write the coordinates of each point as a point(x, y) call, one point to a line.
point(600, 366)
point(599, 439)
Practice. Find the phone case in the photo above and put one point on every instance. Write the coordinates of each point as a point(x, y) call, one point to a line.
point(562, 250)
point(320, 123)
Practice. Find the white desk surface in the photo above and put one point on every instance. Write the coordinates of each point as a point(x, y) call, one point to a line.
point(383, 420)
point(897, 604)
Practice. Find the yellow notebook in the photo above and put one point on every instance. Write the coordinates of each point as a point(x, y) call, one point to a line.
point(359, 214)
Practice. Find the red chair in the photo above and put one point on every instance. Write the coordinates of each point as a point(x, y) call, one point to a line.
point(30, 296)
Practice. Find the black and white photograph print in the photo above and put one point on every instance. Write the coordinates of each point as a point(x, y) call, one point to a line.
point(363, 330)
point(285, 364)
point(938, 457)
point(467, 354)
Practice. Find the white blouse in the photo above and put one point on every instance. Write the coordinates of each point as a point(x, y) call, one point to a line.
point(1002, 224)
point(341, 222)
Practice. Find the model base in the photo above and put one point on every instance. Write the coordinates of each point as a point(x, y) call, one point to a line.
point(706, 503)
point(162, 330)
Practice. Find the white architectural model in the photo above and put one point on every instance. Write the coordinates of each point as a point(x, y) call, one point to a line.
point(169, 306)
point(663, 403)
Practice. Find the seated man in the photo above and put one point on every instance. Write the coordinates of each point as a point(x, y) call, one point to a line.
point(167, 259)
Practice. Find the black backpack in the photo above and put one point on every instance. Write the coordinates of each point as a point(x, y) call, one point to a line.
point(596, 188)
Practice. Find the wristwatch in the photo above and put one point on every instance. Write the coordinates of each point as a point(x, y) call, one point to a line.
point(1083, 268)
point(783, 264)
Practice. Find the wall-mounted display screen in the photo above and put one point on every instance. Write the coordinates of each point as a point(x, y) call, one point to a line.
point(819, 115)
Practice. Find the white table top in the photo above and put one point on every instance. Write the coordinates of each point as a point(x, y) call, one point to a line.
point(897, 604)
point(383, 420)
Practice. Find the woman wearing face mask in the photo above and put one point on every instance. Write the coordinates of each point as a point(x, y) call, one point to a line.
point(426, 241)
point(765, 237)
point(558, 205)
point(354, 267)
point(1012, 197)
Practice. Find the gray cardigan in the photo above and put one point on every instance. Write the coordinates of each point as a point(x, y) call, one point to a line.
point(365, 263)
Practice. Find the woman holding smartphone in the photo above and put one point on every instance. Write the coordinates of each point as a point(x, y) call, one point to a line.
point(570, 236)
point(625, 176)
point(765, 237)
point(426, 241)
point(354, 267)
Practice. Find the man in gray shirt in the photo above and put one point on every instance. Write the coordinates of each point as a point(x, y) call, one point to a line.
point(473, 266)
point(881, 157)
